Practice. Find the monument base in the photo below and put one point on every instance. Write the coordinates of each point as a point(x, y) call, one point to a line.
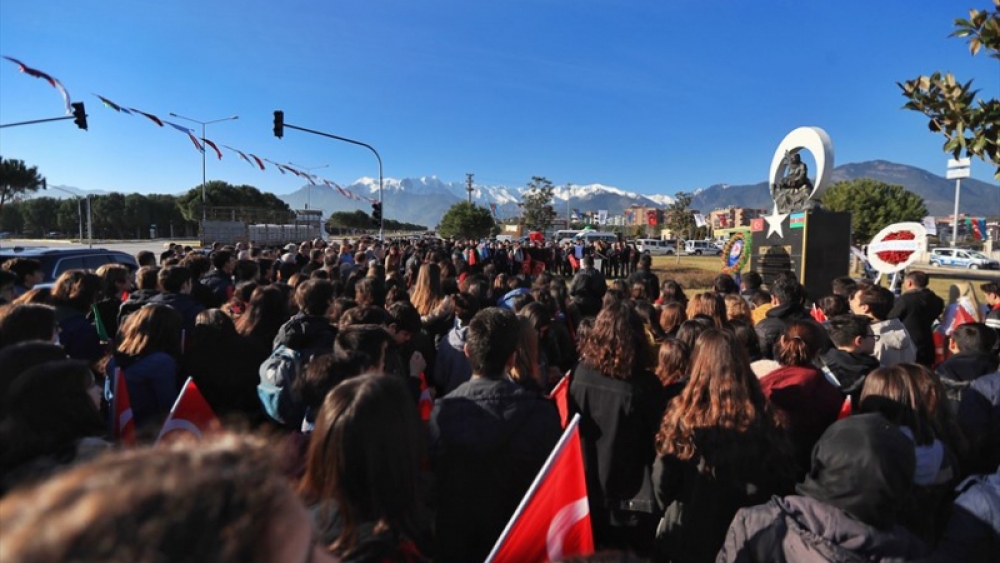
point(814, 245)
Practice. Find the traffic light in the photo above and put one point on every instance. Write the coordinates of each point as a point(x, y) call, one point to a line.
point(79, 115)
point(377, 214)
point(279, 123)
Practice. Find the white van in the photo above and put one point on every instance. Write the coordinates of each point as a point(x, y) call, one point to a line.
point(656, 247)
point(591, 236)
point(699, 247)
point(565, 235)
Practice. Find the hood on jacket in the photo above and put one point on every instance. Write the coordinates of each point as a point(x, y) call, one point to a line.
point(850, 368)
point(456, 336)
point(892, 334)
point(968, 366)
point(305, 331)
point(863, 465)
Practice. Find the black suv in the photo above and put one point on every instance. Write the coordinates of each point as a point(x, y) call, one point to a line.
point(57, 260)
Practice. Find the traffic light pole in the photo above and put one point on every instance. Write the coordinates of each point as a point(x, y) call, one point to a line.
point(79, 115)
point(277, 130)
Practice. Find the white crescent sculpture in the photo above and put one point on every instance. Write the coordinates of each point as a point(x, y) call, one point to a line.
point(817, 142)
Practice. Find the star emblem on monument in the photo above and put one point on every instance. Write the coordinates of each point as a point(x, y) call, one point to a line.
point(774, 221)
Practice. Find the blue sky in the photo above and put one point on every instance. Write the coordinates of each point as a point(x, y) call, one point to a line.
point(648, 96)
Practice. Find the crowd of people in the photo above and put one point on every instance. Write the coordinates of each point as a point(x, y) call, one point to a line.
point(390, 401)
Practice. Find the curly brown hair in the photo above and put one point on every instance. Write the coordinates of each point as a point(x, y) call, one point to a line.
point(613, 344)
point(722, 416)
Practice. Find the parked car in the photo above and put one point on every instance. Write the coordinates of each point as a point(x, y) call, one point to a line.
point(699, 247)
point(962, 258)
point(656, 247)
point(55, 261)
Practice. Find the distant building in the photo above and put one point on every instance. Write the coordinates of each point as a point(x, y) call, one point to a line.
point(734, 217)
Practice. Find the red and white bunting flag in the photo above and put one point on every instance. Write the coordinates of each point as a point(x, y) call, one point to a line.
point(962, 316)
point(191, 414)
point(122, 423)
point(560, 396)
point(553, 521)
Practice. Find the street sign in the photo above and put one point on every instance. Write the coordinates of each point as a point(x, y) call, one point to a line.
point(960, 163)
point(957, 173)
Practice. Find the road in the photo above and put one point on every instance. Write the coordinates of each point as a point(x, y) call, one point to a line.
point(131, 247)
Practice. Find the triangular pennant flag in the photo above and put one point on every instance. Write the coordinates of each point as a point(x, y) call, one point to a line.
point(280, 167)
point(259, 163)
point(218, 153)
point(553, 521)
point(122, 423)
point(112, 105)
point(239, 152)
point(48, 78)
point(191, 414)
point(152, 117)
point(560, 396)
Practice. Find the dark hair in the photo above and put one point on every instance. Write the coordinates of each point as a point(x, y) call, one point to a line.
point(146, 277)
point(266, 311)
point(314, 297)
point(321, 374)
point(975, 338)
point(918, 278)
point(111, 275)
point(760, 297)
point(615, 344)
point(878, 299)
point(747, 337)
point(370, 292)
point(22, 267)
point(220, 258)
point(48, 409)
point(724, 284)
point(359, 315)
point(751, 281)
point(362, 347)
point(689, 330)
point(799, 343)
point(671, 316)
point(405, 316)
point(650, 318)
point(19, 358)
point(834, 305)
point(991, 287)
point(844, 329)
point(491, 340)
point(197, 263)
point(844, 285)
point(29, 321)
point(173, 278)
point(363, 456)
point(786, 290)
point(145, 258)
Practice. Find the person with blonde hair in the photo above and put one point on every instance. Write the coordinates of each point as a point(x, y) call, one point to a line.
point(737, 308)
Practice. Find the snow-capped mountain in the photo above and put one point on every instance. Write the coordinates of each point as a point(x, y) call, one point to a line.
point(425, 200)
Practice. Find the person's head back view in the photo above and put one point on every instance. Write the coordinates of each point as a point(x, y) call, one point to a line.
point(153, 328)
point(799, 344)
point(363, 455)
point(30, 321)
point(863, 465)
point(221, 500)
point(491, 341)
point(76, 289)
point(19, 358)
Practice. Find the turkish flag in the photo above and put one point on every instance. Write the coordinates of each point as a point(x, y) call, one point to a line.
point(651, 215)
point(553, 521)
point(817, 314)
point(962, 316)
point(560, 396)
point(191, 414)
point(757, 225)
point(122, 423)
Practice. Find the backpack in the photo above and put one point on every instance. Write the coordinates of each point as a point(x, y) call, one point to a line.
point(277, 374)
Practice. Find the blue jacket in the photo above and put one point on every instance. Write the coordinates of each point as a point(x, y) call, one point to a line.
point(973, 533)
point(152, 385)
point(183, 304)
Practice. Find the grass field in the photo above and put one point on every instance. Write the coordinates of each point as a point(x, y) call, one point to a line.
point(695, 273)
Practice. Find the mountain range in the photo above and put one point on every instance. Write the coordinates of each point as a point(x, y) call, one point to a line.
point(425, 200)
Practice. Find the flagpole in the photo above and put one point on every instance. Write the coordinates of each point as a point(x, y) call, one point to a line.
point(546, 468)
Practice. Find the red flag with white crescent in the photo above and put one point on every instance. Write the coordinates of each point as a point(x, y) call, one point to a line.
point(553, 521)
point(560, 396)
point(190, 414)
point(122, 423)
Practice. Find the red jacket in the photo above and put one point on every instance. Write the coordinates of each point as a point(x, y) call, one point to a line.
point(809, 402)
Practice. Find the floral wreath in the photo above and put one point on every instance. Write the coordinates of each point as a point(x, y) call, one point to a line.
point(744, 254)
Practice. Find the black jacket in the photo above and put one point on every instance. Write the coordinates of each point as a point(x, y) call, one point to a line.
point(136, 300)
point(221, 286)
point(618, 425)
point(774, 322)
point(183, 304)
point(307, 334)
point(918, 310)
point(979, 417)
point(488, 441)
point(850, 370)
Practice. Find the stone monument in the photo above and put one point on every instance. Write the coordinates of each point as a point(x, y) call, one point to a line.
point(799, 235)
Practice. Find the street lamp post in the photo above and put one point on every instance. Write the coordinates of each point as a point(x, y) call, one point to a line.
point(204, 201)
point(308, 170)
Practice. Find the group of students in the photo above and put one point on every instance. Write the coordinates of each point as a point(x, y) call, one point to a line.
point(742, 423)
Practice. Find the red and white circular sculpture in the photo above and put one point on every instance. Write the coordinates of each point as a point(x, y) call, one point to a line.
point(897, 246)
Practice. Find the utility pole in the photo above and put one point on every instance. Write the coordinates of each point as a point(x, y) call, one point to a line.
point(468, 185)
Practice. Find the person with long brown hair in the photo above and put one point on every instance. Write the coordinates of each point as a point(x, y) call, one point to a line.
point(799, 390)
point(362, 470)
point(266, 312)
point(671, 316)
point(620, 403)
point(148, 354)
point(721, 447)
point(426, 294)
point(710, 305)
